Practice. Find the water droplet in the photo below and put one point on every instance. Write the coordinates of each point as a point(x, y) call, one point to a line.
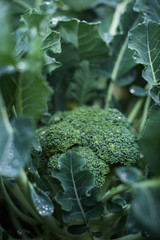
point(54, 22)
point(47, 3)
point(132, 91)
point(20, 231)
point(22, 66)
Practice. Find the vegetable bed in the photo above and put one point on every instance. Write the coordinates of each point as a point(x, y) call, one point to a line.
point(80, 120)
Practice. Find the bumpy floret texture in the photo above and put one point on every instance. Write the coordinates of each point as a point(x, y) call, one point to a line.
point(102, 138)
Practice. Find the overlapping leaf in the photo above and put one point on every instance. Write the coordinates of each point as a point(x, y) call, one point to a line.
point(84, 38)
point(144, 40)
point(150, 9)
point(121, 61)
point(15, 142)
point(79, 199)
point(83, 87)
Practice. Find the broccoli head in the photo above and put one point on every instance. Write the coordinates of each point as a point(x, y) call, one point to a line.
point(103, 138)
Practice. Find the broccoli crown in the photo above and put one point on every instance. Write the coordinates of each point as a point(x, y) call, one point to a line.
point(101, 137)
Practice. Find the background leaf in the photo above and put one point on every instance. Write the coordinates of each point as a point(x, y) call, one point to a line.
point(83, 87)
point(120, 62)
point(7, 44)
point(144, 40)
point(149, 9)
point(84, 37)
point(150, 142)
point(79, 199)
point(146, 210)
point(129, 175)
point(15, 142)
point(80, 5)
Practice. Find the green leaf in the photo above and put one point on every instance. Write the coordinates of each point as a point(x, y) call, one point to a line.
point(116, 204)
point(150, 9)
point(42, 202)
point(32, 88)
point(155, 94)
point(15, 143)
point(129, 175)
point(150, 142)
point(84, 37)
point(120, 62)
point(79, 199)
point(77, 229)
point(144, 40)
point(80, 5)
point(51, 44)
point(83, 88)
point(6, 40)
point(146, 209)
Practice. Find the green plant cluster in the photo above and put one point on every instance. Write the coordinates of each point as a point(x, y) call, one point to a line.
point(102, 137)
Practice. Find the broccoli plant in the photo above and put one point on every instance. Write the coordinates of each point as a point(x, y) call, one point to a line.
point(104, 139)
point(79, 120)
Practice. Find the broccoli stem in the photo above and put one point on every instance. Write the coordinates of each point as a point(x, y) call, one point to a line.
point(114, 191)
point(22, 4)
point(145, 113)
point(135, 110)
point(21, 215)
point(109, 95)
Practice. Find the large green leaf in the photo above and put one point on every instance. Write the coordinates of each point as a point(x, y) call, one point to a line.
point(120, 62)
point(84, 38)
point(32, 88)
point(146, 210)
point(79, 5)
point(144, 40)
point(79, 199)
point(150, 143)
point(83, 87)
point(149, 8)
point(15, 142)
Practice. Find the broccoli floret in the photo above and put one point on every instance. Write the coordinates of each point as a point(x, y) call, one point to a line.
point(102, 138)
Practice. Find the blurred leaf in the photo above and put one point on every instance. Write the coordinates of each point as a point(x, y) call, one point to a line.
point(51, 44)
point(77, 229)
point(116, 204)
point(85, 39)
point(126, 79)
point(83, 88)
point(79, 199)
point(138, 91)
point(48, 7)
point(6, 40)
point(120, 62)
point(155, 94)
point(150, 142)
point(42, 202)
point(32, 18)
point(15, 142)
point(146, 49)
point(80, 5)
point(32, 88)
point(146, 209)
point(149, 9)
point(129, 175)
